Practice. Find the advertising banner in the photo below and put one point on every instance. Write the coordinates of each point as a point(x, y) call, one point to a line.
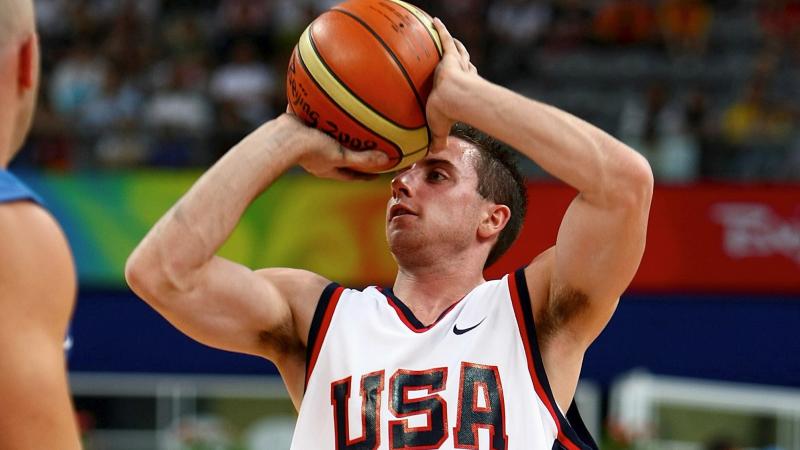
point(701, 238)
point(329, 227)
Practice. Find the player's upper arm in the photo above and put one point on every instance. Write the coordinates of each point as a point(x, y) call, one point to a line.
point(598, 249)
point(228, 306)
point(37, 274)
point(37, 294)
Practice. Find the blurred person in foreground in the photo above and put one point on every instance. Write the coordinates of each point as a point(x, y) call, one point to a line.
point(37, 276)
point(497, 361)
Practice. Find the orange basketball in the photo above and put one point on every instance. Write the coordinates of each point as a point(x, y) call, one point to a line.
point(362, 73)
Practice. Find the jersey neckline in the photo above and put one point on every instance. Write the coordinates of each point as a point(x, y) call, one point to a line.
point(407, 316)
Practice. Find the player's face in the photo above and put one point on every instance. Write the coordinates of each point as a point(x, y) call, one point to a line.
point(435, 207)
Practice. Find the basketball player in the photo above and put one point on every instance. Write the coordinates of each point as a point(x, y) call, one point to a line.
point(37, 276)
point(444, 359)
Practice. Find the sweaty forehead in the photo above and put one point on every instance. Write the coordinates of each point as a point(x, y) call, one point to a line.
point(460, 155)
point(463, 155)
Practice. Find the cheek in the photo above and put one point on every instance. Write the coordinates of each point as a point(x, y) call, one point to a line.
point(465, 211)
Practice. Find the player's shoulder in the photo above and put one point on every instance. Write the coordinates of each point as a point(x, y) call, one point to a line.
point(295, 285)
point(29, 234)
point(37, 263)
point(27, 229)
point(293, 279)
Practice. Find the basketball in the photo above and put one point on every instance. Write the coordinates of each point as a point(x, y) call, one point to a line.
point(362, 72)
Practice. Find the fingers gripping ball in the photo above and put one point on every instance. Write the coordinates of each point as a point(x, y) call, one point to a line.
point(362, 72)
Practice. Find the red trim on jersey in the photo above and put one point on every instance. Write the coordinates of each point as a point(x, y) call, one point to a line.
point(403, 315)
point(323, 330)
point(537, 384)
point(404, 319)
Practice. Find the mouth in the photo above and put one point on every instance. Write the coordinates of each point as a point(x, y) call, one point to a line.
point(400, 210)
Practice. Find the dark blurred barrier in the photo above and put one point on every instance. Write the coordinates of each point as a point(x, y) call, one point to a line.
point(738, 338)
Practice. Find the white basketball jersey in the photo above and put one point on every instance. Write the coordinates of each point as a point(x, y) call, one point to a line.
point(377, 378)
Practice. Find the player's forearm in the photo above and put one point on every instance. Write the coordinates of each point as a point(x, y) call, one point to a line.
point(191, 232)
point(580, 154)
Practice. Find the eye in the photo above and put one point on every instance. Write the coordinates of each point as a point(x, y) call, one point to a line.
point(436, 175)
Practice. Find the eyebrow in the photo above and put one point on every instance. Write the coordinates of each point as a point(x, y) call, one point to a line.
point(431, 162)
point(439, 162)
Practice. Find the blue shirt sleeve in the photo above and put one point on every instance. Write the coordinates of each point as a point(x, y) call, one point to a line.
point(12, 189)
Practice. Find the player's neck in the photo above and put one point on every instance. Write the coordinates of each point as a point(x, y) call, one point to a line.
point(430, 291)
point(7, 134)
point(5, 158)
point(5, 145)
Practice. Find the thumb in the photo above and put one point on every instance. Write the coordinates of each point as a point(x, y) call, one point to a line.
point(438, 143)
point(439, 126)
point(440, 130)
point(366, 160)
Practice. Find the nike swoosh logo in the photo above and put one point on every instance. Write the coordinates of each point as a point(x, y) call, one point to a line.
point(457, 330)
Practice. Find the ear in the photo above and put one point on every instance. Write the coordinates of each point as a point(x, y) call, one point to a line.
point(496, 218)
point(27, 64)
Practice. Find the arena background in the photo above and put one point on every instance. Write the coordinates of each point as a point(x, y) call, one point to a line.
point(138, 97)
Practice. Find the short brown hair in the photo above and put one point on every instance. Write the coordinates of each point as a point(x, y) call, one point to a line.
point(499, 181)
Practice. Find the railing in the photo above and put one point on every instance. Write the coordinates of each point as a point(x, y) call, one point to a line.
point(679, 413)
point(180, 408)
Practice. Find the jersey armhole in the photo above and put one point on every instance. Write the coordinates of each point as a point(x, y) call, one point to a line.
point(569, 437)
point(12, 189)
point(319, 325)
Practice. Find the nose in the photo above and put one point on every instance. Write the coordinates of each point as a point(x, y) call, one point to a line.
point(401, 184)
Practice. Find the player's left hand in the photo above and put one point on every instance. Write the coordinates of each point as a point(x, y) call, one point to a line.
point(324, 157)
point(441, 106)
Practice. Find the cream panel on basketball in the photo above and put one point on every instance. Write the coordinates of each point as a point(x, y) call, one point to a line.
point(425, 19)
point(471, 363)
point(413, 142)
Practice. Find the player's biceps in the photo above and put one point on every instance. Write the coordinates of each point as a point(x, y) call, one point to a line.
point(247, 300)
point(214, 320)
point(601, 263)
point(590, 248)
point(230, 309)
point(218, 332)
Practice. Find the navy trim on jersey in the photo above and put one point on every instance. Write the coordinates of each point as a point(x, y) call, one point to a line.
point(574, 429)
point(576, 422)
point(316, 324)
point(12, 189)
point(408, 316)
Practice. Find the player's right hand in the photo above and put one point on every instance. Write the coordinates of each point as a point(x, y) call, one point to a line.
point(443, 101)
point(324, 157)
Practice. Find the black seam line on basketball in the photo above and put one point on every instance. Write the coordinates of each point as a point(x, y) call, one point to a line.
point(399, 150)
point(438, 52)
point(460, 331)
point(433, 39)
point(416, 151)
point(347, 88)
point(391, 53)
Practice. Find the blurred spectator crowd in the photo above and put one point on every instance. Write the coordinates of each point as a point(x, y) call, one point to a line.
point(706, 90)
